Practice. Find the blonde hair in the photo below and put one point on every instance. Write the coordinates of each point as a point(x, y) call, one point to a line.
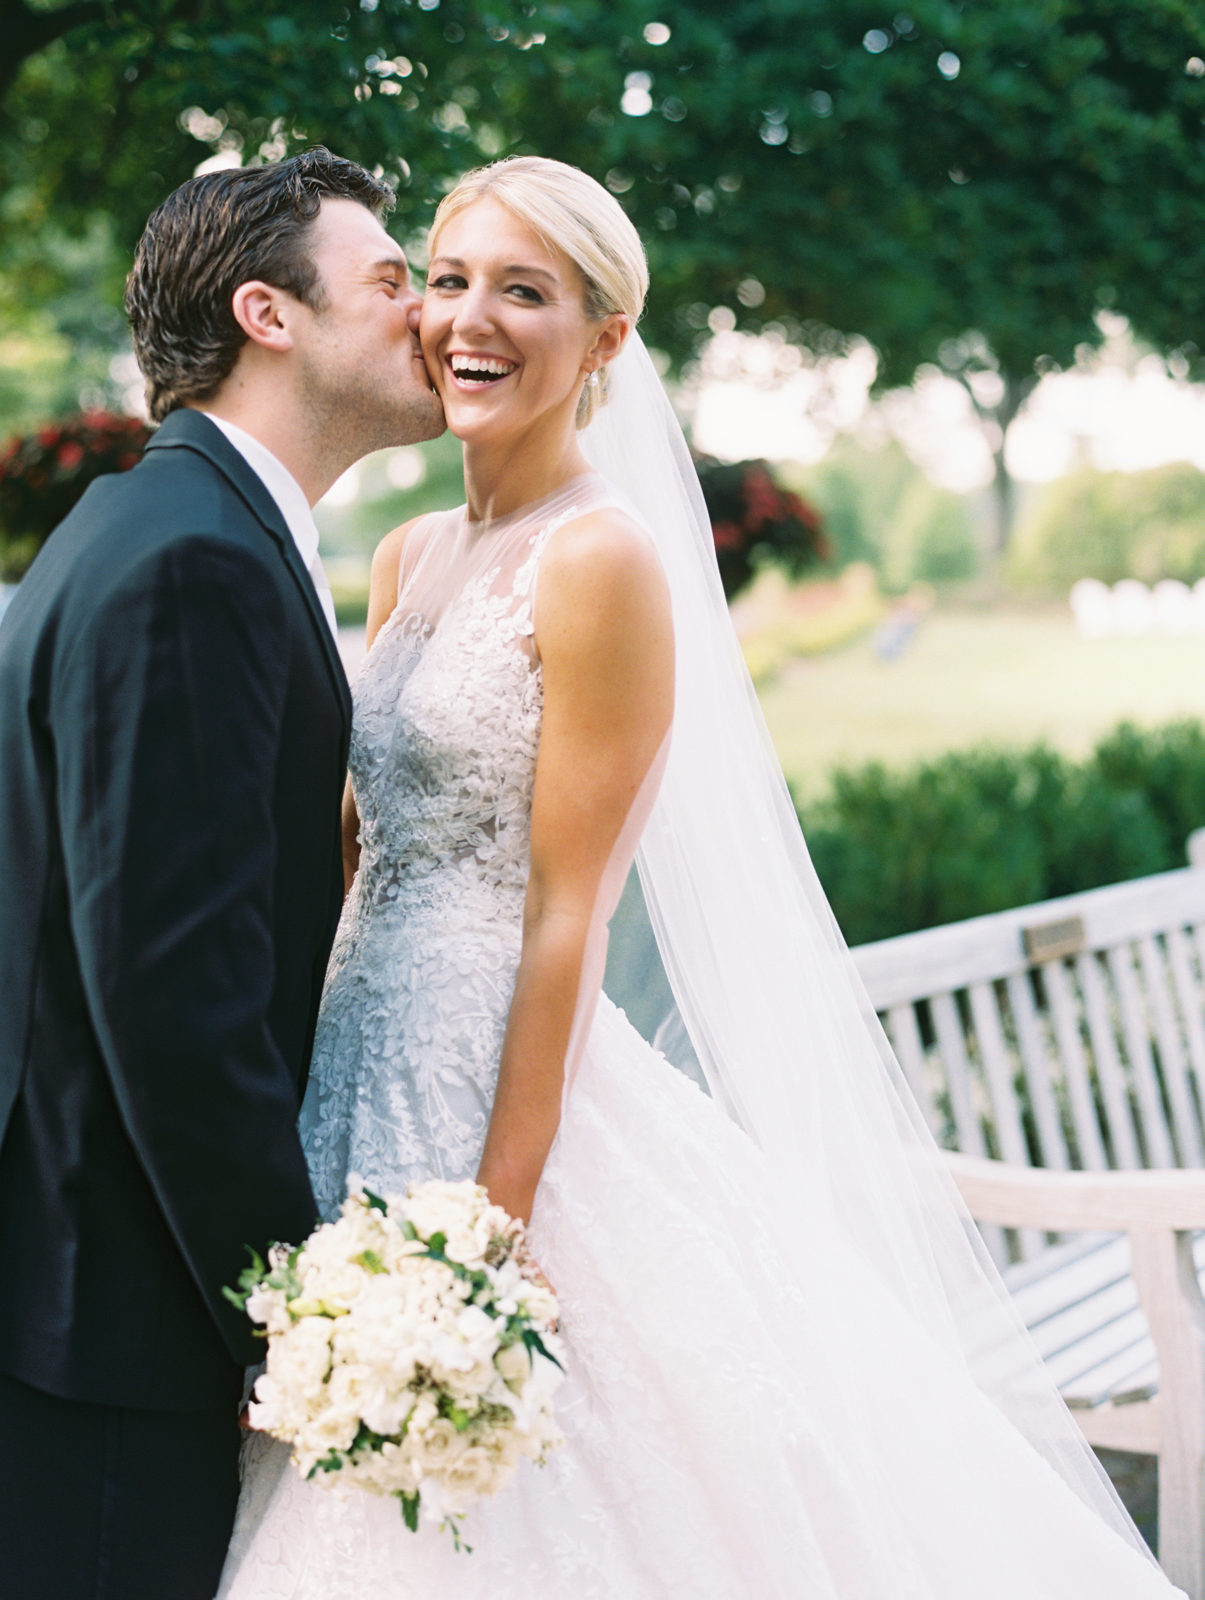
point(575, 216)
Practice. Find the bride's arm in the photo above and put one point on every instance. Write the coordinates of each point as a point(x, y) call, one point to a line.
point(605, 642)
point(382, 597)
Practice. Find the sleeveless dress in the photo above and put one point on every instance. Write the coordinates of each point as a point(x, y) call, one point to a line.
point(749, 1415)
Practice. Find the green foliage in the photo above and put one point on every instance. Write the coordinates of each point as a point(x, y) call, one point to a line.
point(61, 323)
point(983, 830)
point(931, 539)
point(879, 507)
point(358, 528)
point(1004, 169)
point(1112, 525)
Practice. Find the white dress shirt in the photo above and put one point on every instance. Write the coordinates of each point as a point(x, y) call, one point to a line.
point(292, 503)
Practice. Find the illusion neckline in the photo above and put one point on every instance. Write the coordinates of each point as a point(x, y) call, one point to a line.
point(542, 506)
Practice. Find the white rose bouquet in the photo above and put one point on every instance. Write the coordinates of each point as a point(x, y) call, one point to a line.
point(411, 1349)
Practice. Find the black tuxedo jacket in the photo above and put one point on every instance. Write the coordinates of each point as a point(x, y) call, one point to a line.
point(173, 741)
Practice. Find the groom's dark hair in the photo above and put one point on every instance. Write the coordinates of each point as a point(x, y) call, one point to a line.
point(213, 233)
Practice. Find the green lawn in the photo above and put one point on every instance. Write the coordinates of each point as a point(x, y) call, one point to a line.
point(1003, 676)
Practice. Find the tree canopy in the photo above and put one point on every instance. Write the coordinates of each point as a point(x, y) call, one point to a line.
point(961, 184)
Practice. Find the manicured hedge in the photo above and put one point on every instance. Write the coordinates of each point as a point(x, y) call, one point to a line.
point(983, 830)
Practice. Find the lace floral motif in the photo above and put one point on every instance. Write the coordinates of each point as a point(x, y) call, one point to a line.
point(444, 742)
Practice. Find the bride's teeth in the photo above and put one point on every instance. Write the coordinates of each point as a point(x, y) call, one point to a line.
point(480, 366)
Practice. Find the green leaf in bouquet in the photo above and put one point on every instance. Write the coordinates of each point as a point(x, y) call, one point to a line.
point(331, 1462)
point(366, 1439)
point(370, 1261)
point(437, 1244)
point(457, 1416)
point(248, 1280)
point(409, 1509)
point(533, 1342)
point(375, 1202)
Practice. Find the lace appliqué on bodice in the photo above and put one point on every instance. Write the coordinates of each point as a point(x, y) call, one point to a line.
point(443, 753)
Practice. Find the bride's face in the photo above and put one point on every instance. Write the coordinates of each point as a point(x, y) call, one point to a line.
point(504, 327)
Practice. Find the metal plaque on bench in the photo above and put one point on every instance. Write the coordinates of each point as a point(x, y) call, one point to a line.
point(1051, 941)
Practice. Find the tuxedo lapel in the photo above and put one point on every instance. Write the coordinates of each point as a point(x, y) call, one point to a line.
point(192, 430)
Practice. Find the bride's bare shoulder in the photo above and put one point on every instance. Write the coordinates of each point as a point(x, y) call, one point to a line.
point(387, 557)
point(605, 552)
point(383, 576)
point(597, 571)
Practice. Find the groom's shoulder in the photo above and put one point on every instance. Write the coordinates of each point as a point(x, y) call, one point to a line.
point(186, 489)
point(175, 517)
point(190, 479)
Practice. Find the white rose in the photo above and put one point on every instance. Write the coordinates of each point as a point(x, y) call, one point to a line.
point(471, 1475)
point(300, 1359)
point(441, 1444)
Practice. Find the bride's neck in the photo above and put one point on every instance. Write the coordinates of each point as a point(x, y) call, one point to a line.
point(500, 478)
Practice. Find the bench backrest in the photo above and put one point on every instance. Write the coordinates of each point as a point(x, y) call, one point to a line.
point(1065, 1034)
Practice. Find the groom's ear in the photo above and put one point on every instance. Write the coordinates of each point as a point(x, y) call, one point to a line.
point(261, 311)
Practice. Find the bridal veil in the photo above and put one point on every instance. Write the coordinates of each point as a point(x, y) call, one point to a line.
point(763, 986)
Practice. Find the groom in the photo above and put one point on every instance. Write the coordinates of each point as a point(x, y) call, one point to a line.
point(173, 740)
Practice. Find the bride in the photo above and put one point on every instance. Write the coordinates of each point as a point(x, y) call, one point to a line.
point(794, 1375)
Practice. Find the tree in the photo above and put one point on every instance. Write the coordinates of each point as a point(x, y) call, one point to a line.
point(964, 185)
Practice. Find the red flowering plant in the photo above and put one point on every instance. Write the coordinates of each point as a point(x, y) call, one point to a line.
point(754, 522)
point(43, 474)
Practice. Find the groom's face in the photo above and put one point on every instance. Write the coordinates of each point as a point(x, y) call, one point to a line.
point(358, 356)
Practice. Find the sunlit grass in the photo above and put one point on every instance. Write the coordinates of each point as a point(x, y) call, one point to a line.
point(1005, 676)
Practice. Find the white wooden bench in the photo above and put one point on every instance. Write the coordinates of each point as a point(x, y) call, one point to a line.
point(1058, 1053)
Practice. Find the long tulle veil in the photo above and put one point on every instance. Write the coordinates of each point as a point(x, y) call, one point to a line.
point(763, 985)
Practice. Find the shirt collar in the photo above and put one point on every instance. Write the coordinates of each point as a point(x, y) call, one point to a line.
point(280, 484)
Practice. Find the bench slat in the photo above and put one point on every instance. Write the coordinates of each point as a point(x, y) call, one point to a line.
point(1155, 1132)
point(1110, 1073)
point(1119, 1374)
point(1068, 1329)
point(1171, 1054)
point(906, 1041)
point(912, 966)
point(1038, 1073)
point(1075, 1277)
point(1188, 991)
point(1118, 1347)
point(957, 1064)
point(998, 1071)
point(1071, 1052)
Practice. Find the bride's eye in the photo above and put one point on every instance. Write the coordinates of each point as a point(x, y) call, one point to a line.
point(526, 292)
point(446, 280)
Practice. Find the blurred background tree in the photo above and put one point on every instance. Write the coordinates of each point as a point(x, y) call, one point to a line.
point(963, 186)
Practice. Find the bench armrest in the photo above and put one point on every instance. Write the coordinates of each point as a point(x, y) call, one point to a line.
point(1070, 1202)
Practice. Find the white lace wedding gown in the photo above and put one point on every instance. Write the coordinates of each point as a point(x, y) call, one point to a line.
point(749, 1415)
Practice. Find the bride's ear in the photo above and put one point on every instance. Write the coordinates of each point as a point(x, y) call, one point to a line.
point(260, 311)
point(609, 341)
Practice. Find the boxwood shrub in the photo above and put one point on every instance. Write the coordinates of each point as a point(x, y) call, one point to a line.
point(985, 829)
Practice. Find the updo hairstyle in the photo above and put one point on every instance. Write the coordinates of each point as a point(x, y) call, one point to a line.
point(574, 215)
